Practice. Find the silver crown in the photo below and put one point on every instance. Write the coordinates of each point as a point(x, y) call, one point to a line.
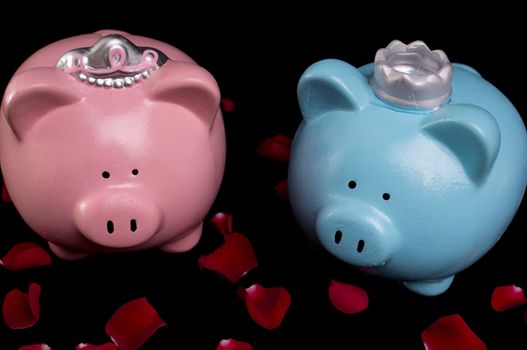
point(412, 75)
point(113, 61)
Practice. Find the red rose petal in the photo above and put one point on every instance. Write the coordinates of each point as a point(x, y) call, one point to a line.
point(281, 189)
point(233, 259)
point(231, 344)
point(222, 222)
point(107, 346)
point(22, 310)
point(24, 256)
point(276, 148)
point(347, 298)
point(35, 347)
point(5, 195)
point(452, 333)
point(506, 297)
point(227, 105)
point(133, 324)
point(267, 306)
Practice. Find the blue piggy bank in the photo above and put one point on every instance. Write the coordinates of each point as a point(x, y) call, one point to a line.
point(409, 168)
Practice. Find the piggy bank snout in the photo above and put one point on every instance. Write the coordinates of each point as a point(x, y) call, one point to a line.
point(118, 220)
point(357, 233)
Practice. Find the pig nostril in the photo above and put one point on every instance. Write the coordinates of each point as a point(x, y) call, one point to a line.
point(360, 246)
point(109, 226)
point(338, 237)
point(133, 225)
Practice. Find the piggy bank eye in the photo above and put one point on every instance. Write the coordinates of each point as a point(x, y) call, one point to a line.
point(135, 172)
point(105, 174)
point(338, 237)
point(386, 196)
point(352, 184)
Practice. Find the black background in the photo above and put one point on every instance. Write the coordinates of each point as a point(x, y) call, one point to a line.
point(257, 63)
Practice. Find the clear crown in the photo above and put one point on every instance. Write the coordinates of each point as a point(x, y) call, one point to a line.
point(412, 75)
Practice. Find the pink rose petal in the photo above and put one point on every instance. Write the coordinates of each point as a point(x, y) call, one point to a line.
point(232, 260)
point(266, 306)
point(107, 346)
point(276, 148)
point(22, 310)
point(227, 105)
point(133, 324)
point(35, 347)
point(231, 344)
point(281, 189)
point(24, 256)
point(506, 297)
point(347, 298)
point(452, 333)
point(5, 195)
point(222, 222)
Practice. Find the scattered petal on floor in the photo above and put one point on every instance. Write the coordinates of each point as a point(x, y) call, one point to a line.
point(5, 194)
point(347, 298)
point(276, 148)
point(133, 324)
point(107, 346)
point(222, 222)
point(452, 333)
point(266, 306)
point(506, 297)
point(227, 105)
point(22, 310)
point(231, 344)
point(24, 256)
point(35, 347)
point(281, 189)
point(233, 259)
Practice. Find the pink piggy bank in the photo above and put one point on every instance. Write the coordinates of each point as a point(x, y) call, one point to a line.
point(112, 142)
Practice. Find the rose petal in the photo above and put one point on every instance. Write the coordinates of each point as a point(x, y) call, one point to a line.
point(5, 195)
point(452, 333)
point(22, 310)
point(347, 298)
point(506, 297)
point(107, 346)
point(222, 222)
point(281, 189)
point(133, 324)
point(276, 148)
point(24, 256)
point(227, 105)
point(35, 347)
point(232, 260)
point(231, 344)
point(266, 306)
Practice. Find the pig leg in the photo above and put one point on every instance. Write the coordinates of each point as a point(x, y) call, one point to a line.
point(185, 242)
point(431, 287)
point(66, 253)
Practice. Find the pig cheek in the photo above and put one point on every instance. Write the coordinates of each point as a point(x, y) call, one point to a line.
point(186, 192)
point(51, 177)
point(183, 173)
point(59, 192)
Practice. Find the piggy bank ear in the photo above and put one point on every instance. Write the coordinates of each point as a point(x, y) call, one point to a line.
point(187, 85)
point(34, 93)
point(331, 85)
point(471, 133)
